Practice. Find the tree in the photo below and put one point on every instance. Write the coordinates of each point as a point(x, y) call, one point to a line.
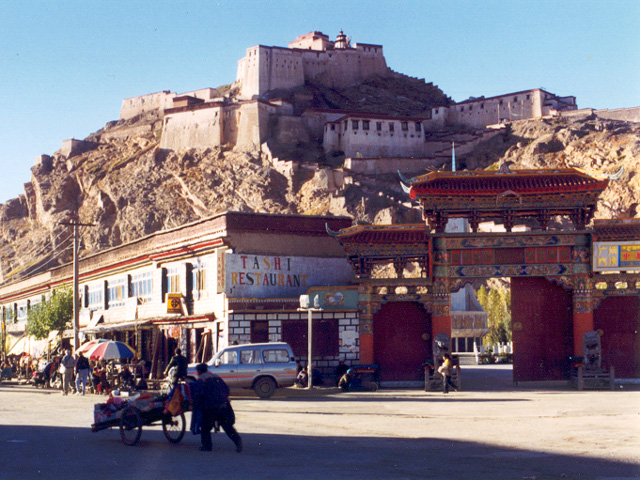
point(52, 314)
point(497, 303)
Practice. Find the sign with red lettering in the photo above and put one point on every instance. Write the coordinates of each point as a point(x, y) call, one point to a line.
point(615, 256)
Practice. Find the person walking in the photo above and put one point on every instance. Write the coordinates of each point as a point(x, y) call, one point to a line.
point(66, 365)
point(211, 403)
point(82, 373)
point(446, 369)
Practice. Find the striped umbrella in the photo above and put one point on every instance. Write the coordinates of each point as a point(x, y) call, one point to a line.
point(85, 347)
point(111, 350)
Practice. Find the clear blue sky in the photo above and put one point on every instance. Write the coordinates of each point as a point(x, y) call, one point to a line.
point(66, 66)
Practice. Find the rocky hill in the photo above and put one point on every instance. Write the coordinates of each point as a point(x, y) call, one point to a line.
point(125, 187)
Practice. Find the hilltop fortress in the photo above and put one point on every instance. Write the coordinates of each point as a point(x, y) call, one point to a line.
point(270, 103)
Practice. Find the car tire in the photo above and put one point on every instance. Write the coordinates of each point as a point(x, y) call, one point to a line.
point(265, 387)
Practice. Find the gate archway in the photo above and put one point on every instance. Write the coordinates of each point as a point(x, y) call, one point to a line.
point(559, 275)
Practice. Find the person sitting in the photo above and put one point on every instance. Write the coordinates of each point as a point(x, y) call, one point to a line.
point(177, 367)
point(126, 378)
point(302, 378)
point(341, 369)
point(345, 381)
point(352, 382)
point(99, 380)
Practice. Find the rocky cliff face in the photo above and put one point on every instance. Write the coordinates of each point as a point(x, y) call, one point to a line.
point(125, 187)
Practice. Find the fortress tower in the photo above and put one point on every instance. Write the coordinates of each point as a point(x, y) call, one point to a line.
point(310, 57)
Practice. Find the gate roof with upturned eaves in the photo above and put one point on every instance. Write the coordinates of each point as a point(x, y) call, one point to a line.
point(507, 195)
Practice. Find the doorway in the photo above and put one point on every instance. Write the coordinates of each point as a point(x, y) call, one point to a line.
point(401, 341)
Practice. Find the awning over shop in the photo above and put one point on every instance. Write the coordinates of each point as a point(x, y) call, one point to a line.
point(94, 322)
point(111, 327)
point(40, 347)
point(36, 348)
point(21, 345)
point(179, 321)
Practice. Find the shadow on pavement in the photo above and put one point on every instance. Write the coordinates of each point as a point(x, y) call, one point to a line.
point(46, 452)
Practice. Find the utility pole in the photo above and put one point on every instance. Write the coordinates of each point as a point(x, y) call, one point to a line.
point(76, 299)
point(304, 305)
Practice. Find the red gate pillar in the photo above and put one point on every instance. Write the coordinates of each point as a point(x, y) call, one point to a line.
point(441, 319)
point(365, 329)
point(582, 312)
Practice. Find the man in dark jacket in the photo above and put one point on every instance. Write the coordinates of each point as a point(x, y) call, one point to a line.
point(211, 398)
point(82, 373)
point(179, 364)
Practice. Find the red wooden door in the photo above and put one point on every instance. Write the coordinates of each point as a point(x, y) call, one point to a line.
point(398, 344)
point(619, 320)
point(542, 326)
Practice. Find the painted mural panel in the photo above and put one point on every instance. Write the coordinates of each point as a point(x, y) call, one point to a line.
point(266, 276)
point(614, 256)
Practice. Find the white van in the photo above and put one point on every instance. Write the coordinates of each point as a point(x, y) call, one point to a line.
point(262, 367)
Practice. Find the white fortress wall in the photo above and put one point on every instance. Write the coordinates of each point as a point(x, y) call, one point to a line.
point(439, 116)
point(311, 41)
point(373, 137)
point(626, 114)
point(192, 129)
point(331, 140)
point(317, 120)
point(379, 166)
point(269, 68)
point(344, 67)
point(252, 119)
point(290, 130)
point(153, 102)
point(206, 94)
point(229, 124)
point(246, 76)
point(283, 68)
point(309, 57)
point(522, 105)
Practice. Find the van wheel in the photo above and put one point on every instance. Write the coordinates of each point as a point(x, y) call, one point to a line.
point(265, 387)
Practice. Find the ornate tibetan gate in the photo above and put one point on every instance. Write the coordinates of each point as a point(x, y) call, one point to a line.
point(559, 279)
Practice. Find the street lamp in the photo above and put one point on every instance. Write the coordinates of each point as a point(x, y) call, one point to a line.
point(304, 306)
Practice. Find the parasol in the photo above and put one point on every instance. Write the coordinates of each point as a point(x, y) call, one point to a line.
point(85, 347)
point(111, 350)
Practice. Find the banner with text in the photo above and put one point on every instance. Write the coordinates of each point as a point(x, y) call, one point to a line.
point(614, 256)
point(265, 276)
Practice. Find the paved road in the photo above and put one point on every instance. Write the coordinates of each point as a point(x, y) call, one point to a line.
point(489, 431)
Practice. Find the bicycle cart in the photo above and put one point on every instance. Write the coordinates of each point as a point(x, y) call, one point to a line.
point(130, 414)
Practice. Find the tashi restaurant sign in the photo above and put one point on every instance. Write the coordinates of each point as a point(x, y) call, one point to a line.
point(260, 276)
point(615, 256)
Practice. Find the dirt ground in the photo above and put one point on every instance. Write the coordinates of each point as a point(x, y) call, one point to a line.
point(489, 430)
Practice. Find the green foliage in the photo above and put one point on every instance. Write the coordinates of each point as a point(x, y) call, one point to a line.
point(50, 315)
point(497, 303)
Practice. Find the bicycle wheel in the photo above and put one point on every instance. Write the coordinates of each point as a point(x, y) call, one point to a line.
point(174, 427)
point(130, 426)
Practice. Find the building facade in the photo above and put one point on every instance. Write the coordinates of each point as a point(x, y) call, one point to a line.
point(232, 278)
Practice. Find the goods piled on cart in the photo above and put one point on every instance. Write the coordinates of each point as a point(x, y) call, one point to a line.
point(131, 413)
point(108, 414)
